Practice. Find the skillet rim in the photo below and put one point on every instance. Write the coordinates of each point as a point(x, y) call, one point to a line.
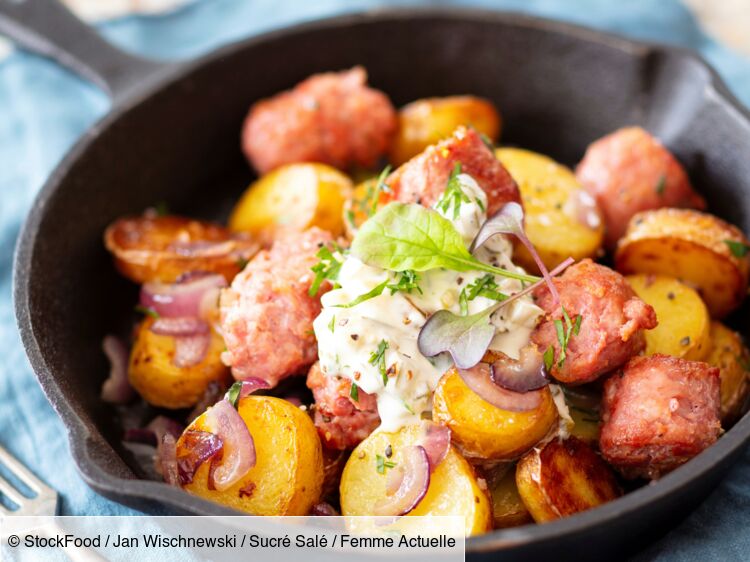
point(79, 436)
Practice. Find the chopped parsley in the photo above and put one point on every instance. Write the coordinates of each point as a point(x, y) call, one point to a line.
point(463, 302)
point(485, 287)
point(661, 184)
point(327, 268)
point(369, 205)
point(377, 358)
point(549, 358)
point(408, 281)
point(332, 323)
point(453, 196)
point(738, 249)
point(381, 464)
point(146, 311)
point(354, 392)
point(563, 334)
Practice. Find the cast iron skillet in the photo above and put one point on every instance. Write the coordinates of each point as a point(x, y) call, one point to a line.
point(173, 135)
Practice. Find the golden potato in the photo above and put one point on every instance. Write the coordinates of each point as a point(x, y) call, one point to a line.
point(729, 353)
point(288, 474)
point(159, 381)
point(563, 478)
point(561, 219)
point(293, 197)
point(161, 248)
point(684, 322)
point(480, 430)
point(454, 489)
point(700, 249)
point(508, 510)
point(427, 121)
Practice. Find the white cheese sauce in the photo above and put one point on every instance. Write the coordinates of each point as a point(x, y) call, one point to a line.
point(348, 337)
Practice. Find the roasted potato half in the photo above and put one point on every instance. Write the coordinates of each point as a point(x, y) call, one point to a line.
point(684, 321)
point(161, 248)
point(480, 430)
point(561, 219)
point(293, 197)
point(427, 121)
point(159, 381)
point(563, 478)
point(700, 249)
point(508, 509)
point(454, 489)
point(729, 353)
point(288, 474)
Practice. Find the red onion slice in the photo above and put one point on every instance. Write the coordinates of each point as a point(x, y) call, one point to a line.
point(522, 375)
point(479, 380)
point(116, 389)
point(168, 461)
point(179, 326)
point(324, 509)
point(436, 442)
point(251, 384)
point(198, 447)
point(413, 485)
point(239, 448)
point(191, 350)
point(188, 296)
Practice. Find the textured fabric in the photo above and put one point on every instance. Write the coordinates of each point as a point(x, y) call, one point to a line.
point(43, 109)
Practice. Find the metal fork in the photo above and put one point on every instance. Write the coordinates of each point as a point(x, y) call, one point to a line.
point(45, 501)
point(44, 504)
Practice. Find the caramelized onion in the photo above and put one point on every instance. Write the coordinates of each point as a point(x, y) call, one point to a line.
point(436, 442)
point(413, 477)
point(198, 447)
point(116, 389)
point(479, 380)
point(523, 374)
point(168, 461)
point(190, 295)
point(238, 455)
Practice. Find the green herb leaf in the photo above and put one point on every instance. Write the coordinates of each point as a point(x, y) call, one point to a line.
point(233, 394)
point(738, 249)
point(327, 268)
point(371, 294)
point(463, 302)
point(453, 196)
point(332, 324)
point(377, 358)
point(408, 281)
point(485, 286)
point(564, 333)
point(381, 464)
point(401, 237)
point(354, 392)
point(147, 311)
point(369, 205)
point(242, 262)
point(661, 184)
point(549, 358)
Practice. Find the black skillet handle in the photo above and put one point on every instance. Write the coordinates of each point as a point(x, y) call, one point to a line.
point(48, 28)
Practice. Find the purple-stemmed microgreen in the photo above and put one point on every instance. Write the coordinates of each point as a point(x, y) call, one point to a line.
point(467, 337)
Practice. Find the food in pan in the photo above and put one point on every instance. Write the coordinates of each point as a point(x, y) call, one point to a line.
point(435, 338)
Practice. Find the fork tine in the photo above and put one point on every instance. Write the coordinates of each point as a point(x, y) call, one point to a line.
point(22, 472)
point(7, 489)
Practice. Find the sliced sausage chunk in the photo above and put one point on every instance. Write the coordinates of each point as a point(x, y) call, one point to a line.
point(342, 421)
point(423, 178)
point(659, 413)
point(612, 320)
point(629, 171)
point(267, 313)
point(332, 118)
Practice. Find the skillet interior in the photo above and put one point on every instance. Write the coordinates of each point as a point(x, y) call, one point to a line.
point(558, 88)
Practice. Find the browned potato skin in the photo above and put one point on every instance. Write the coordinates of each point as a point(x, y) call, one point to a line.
point(144, 248)
point(691, 246)
point(288, 474)
point(482, 431)
point(508, 510)
point(563, 478)
point(159, 381)
point(730, 355)
point(427, 121)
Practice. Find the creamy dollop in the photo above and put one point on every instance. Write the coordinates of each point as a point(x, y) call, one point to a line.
point(349, 338)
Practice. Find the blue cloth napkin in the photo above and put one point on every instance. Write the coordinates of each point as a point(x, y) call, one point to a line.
point(43, 109)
